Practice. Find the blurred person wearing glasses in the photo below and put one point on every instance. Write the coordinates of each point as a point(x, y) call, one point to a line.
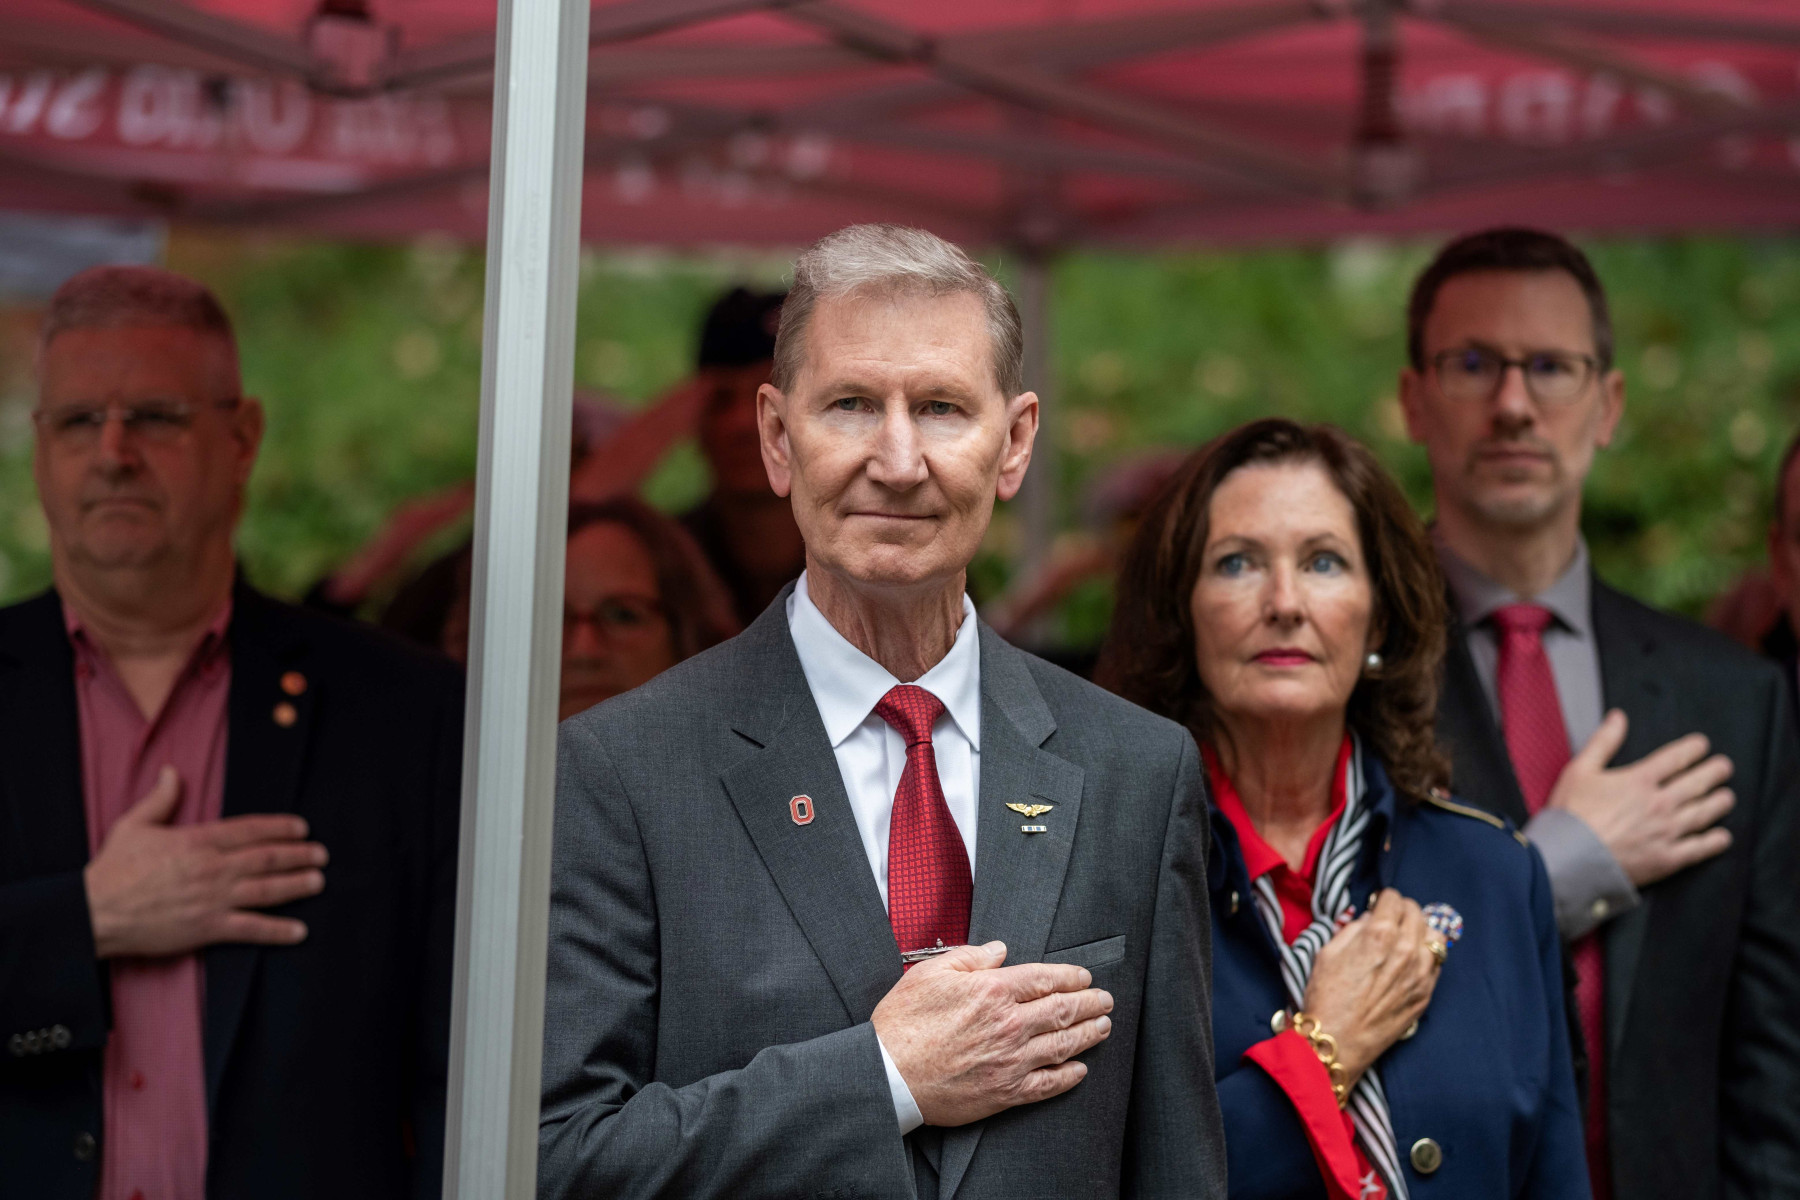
point(1650, 760)
point(227, 871)
point(638, 597)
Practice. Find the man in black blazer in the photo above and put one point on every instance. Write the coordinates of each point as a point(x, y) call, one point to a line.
point(228, 976)
point(1673, 870)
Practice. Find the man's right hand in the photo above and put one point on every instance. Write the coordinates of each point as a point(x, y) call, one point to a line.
point(971, 1037)
point(156, 889)
point(1658, 815)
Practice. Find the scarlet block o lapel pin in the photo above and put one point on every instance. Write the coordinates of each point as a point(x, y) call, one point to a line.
point(801, 809)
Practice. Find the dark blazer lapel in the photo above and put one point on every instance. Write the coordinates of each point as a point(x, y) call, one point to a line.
point(1467, 729)
point(1018, 876)
point(43, 817)
point(264, 756)
point(1629, 680)
point(820, 867)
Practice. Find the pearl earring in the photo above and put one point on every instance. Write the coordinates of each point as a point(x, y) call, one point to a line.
point(1372, 662)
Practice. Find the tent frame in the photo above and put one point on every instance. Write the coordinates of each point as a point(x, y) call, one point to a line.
point(515, 627)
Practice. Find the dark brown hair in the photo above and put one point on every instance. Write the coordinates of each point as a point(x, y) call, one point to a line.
point(1507, 249)
point(1149, 656)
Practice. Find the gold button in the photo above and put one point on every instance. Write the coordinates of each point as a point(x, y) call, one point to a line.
point(1234, 904)
point(293, 683)
point(1426, 1156)
point(1600, 909)
point(285, 714)
point(1279, 1022)
point(1410, 1031)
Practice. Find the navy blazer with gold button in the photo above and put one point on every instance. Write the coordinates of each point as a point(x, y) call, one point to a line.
point(1483, 1096)
point(325, 1061)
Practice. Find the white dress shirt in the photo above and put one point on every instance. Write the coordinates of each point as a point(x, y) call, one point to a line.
point(847, 684)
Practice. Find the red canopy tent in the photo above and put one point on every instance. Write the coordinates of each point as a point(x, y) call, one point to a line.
point(1012, 122)
point(1030, 124)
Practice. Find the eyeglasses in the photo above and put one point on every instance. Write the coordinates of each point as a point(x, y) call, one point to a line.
point(622, 616)
point(160, 422)
point(1473, 374)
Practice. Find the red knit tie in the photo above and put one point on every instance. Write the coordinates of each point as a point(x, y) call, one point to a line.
point(929, 883)
point(1538, 743)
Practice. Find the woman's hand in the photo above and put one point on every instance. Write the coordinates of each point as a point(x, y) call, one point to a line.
point(1372, 980)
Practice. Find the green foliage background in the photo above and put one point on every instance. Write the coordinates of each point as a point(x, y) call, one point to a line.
point(368, 360)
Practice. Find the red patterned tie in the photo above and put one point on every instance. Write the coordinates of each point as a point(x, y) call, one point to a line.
point(1538, 743)
point(929, 884)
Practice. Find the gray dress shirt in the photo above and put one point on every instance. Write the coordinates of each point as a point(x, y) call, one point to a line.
point(1589, 885)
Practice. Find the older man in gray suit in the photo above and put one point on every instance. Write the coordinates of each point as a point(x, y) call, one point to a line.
point(791, 873)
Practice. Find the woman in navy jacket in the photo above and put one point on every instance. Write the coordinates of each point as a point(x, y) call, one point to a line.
point(1387, 976)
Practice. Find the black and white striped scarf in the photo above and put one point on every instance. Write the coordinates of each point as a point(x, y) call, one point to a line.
point(1338, 859)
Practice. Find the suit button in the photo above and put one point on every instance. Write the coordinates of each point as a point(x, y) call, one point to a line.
point(1426, 1156)
point(84, 1146)
point(1600, 909)
point(1234, 904)
point(59, 1037)
point(32, 1039)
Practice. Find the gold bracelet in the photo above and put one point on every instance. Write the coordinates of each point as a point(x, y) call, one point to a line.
point(1325, 1046)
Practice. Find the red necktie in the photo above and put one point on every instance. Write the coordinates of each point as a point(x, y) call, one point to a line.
point(1538, 743)
point(929, 883)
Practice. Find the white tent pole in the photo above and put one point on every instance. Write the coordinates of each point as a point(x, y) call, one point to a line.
point(1037, 499)
point(515, 619)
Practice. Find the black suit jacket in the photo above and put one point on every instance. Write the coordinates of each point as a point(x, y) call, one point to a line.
point(1703, 977)
point(325, 1062)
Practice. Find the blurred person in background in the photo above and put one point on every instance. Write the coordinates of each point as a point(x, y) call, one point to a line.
point(1749, 611)
point(1779, 642)
point(612, 452)
point(1651, 760)
point(227, 882)
point(743, 527)
point(1281, 602)
point(638, 597)
point(744, 530)
point(1116, 500)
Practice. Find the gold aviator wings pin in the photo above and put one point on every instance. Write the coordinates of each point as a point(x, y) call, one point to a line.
point(1031, 810)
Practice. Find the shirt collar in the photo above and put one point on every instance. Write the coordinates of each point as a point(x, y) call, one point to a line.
point(847, 684)
point(1477, 596)
point(1260, 858)
point(210, 640)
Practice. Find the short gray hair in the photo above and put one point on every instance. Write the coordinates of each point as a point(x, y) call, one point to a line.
point(118, 297)
point(888, 260)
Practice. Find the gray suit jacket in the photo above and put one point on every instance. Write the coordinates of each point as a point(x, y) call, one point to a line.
point(713, 964)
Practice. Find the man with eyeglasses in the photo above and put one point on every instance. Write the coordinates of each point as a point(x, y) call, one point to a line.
point(227, 826)
point(1610, 731)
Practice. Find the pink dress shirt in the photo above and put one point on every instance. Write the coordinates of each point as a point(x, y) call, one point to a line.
point(154, 1080)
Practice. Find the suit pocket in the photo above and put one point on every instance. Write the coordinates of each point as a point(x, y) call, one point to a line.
point(1090, 954)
